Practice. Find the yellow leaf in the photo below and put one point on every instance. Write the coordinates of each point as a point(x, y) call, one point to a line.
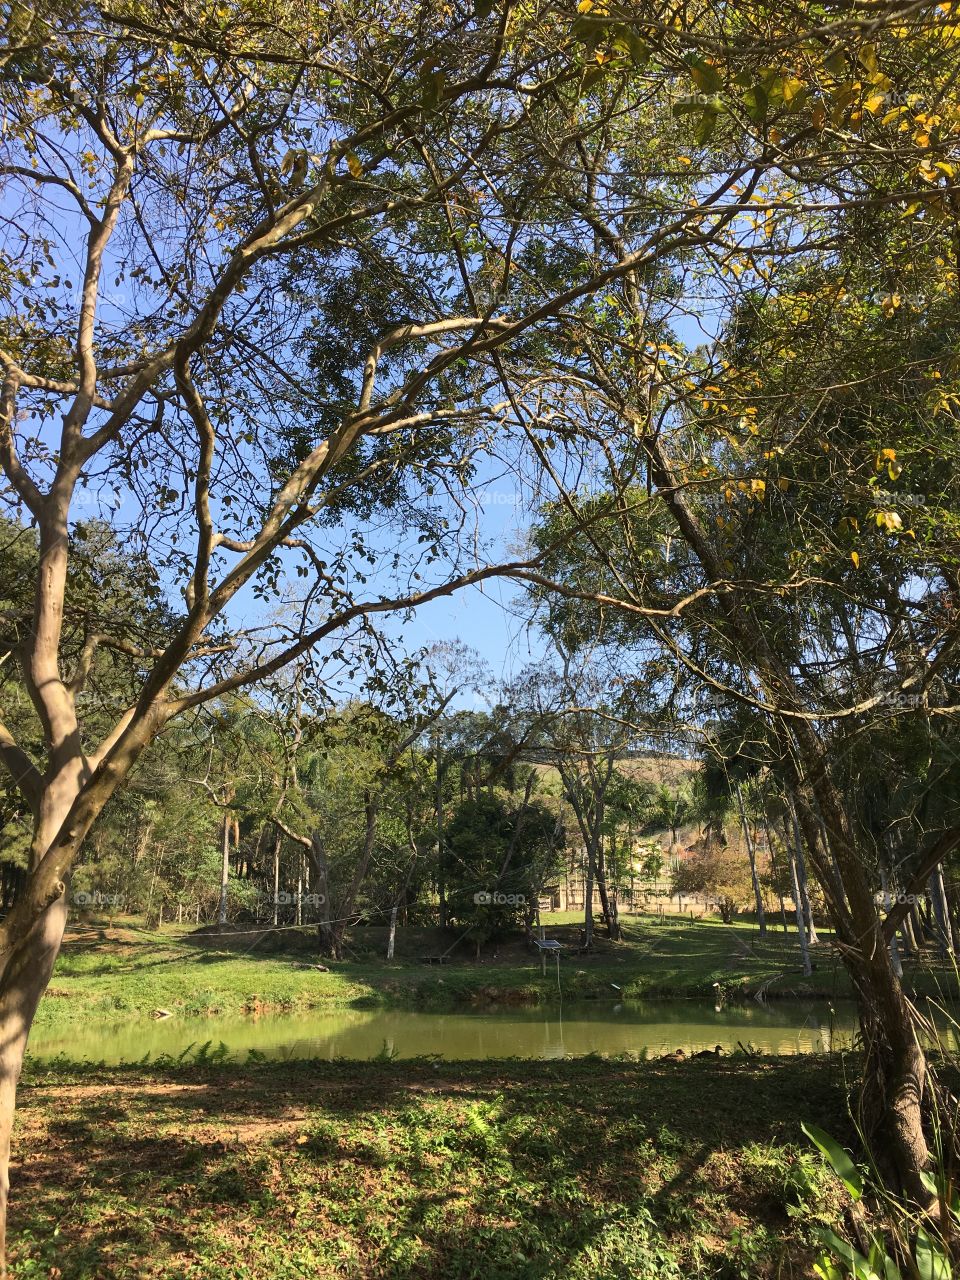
point(889, 520)
point(855, 557)
point(354, 165)
point(791, 87)
point(868, 57)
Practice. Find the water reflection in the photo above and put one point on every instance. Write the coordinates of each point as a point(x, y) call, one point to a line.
point(785, 1027)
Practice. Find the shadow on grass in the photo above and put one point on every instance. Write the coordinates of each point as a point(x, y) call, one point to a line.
point(422, 1170)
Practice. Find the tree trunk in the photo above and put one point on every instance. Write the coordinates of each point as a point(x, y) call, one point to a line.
point(609, 913)
point(588, 902)
point(895, 1076)
point(916, 926)
point(438, 804)
point(751, 853)
point(607, 906)
point(277, 845)
point(802, 877)
point(391, 940)
point(224, 870)
point(895, 1080)
point(798, 905)
point(25, 978)
point(938, 899)
point(345, 907)
point(27, 968)
point(326, 934)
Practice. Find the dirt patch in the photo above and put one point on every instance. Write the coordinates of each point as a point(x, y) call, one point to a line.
point(113, 939)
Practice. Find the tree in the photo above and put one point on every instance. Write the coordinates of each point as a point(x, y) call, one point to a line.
point(582, 736)
point(303, 242)
point(327, 256)
point(669, 808)
point(333, 800)
point(501, 853)
point(715, 872)
point(742, 482)
point(627, 800)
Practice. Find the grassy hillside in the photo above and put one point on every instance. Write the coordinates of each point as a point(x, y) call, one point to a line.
point(122, 971)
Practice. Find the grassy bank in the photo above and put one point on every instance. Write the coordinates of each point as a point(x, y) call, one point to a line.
point(425, 1171)
point(117, 970)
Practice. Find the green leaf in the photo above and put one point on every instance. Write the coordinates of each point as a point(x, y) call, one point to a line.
point(756, 102)
point(590, 31)
point(705, 77)
point(708, 122)
point(855, 1262)
point(826, 1269)
point(932, 1262)
point(878, 1261)
point(434, 83)
point(839, 1159)
point(638, 50)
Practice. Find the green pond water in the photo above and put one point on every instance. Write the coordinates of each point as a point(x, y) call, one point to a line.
point(783, 1027)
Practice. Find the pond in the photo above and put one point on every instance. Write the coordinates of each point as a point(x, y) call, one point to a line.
point(783, 1027)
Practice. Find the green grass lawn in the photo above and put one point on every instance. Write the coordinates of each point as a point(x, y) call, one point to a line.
point(576, 1170)
point(125, 970)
